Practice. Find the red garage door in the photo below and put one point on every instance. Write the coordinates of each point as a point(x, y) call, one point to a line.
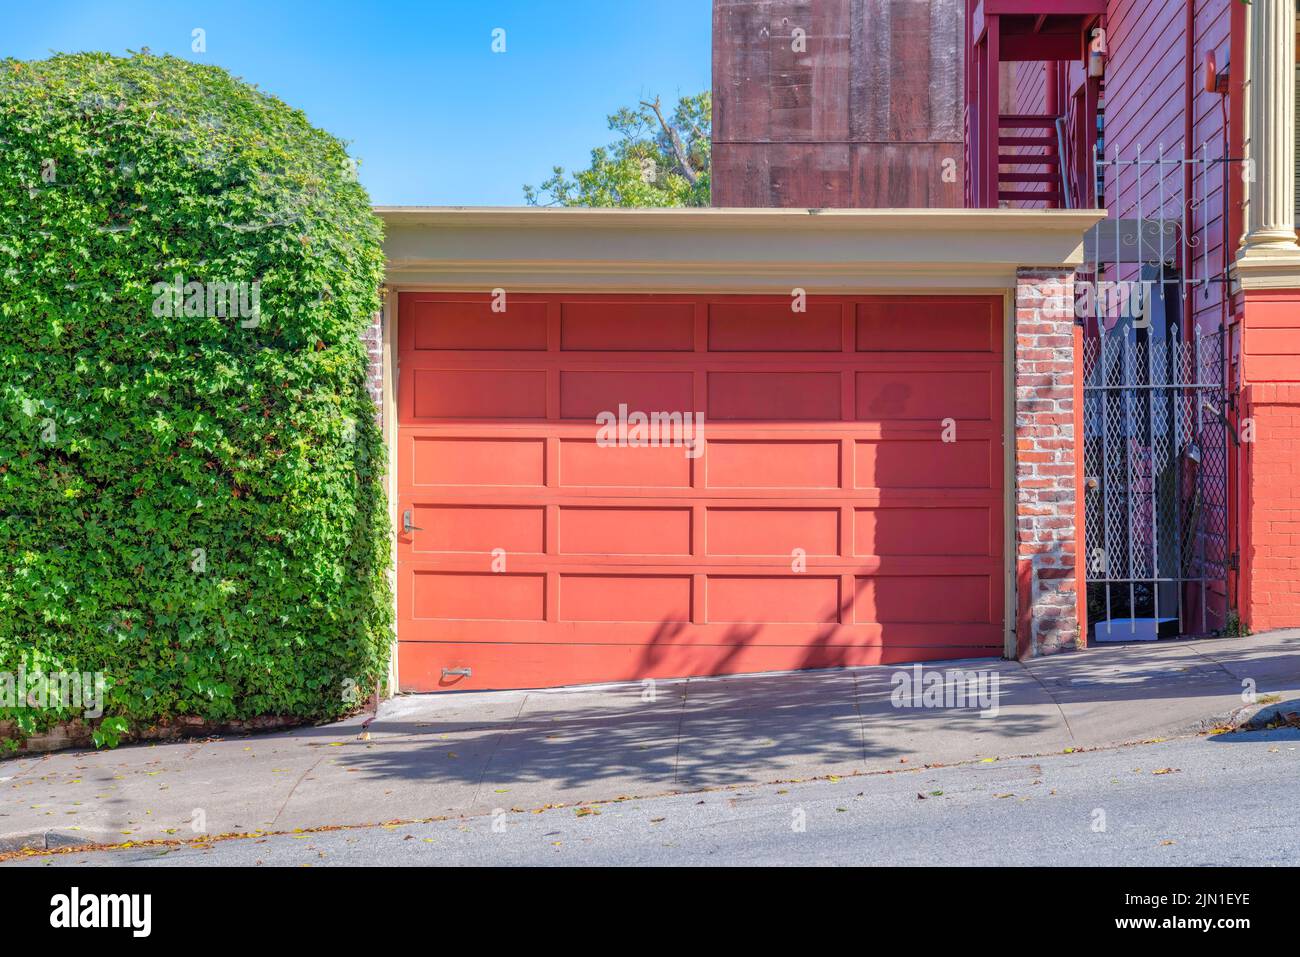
point(843, 507)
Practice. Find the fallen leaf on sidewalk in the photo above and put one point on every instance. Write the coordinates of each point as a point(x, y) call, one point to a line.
point(1166, 770)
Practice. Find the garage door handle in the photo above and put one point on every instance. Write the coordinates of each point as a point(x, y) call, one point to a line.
point(407, 527)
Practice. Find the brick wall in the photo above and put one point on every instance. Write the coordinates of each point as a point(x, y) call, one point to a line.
point(1047, 618)
point(1270, 593)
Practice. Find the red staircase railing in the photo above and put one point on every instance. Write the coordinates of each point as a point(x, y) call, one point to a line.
point(1035, 169)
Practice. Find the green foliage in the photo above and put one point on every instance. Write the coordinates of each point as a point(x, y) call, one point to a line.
point(1234, 627)
point(658, 160)
point(130, 440)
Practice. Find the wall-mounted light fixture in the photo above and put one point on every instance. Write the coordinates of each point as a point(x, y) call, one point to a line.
point(1216, 80)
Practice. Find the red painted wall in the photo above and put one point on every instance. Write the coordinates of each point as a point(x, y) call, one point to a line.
point(1270, 526)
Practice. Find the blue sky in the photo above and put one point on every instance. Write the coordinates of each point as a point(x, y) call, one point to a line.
point(432, 113)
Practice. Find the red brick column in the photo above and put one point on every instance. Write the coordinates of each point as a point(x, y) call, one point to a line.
point(1270, 533)
point(1047, 618)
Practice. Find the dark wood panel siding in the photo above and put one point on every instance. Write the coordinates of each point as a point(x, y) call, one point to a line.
point(865, 116)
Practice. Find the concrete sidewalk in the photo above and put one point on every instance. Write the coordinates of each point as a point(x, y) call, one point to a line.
point(434, 755)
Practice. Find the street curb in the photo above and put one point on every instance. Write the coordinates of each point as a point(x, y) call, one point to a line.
point(1250, 717)
point(42, 840)
point(1261, 716)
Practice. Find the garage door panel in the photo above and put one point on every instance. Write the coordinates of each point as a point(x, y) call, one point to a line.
point(518, 529)
point(585, 464)
point(624, 531)
point(489, 596)
point(585, 394)
point(773, 396)
point(775, 327)
point(772, 463)
point(951, 325)
point(769, 530)
point(730, 638)
point(627, 326)
point(763, 600)
point(535, 665)
point(919, 599)
point(433, 460)
point(479, 394)
point(622, 562)
point(932, 529)
point(438, 325)
point(625, 598)
point(927, 463)
point(926, 394)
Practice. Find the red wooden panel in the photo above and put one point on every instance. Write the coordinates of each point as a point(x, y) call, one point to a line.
point(893, 394)
point(926, 463)
point(955, 325)
point(486, 596)
point(924, 530)
point(475, 394)
point(436, 460)
point(585, 394)
point(479, 528)
point(633, 598)
point(773, 531)
point(625, 531)
point(440, 324)
point(583, 462)
point(627, 326)
point(625, 562)
point(789, 598)
point(736, 463)
point(776, 327)
point(915, 599)
point(774, 396)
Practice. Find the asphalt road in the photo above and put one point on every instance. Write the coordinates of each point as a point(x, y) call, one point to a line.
point(1225, 800)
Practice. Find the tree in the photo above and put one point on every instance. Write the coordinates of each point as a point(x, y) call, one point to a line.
point(658, 160)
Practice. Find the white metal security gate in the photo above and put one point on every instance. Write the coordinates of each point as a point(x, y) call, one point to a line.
point(1156, 466)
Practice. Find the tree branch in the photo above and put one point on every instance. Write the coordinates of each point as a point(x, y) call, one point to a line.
point(678, 150)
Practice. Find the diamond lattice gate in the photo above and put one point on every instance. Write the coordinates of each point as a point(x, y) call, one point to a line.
point(1156, 481)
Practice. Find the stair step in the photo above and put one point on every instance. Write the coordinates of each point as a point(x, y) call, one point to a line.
point(1009, 177)
point(1028, 194)
point(1048, 141)
point(1025, 120)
